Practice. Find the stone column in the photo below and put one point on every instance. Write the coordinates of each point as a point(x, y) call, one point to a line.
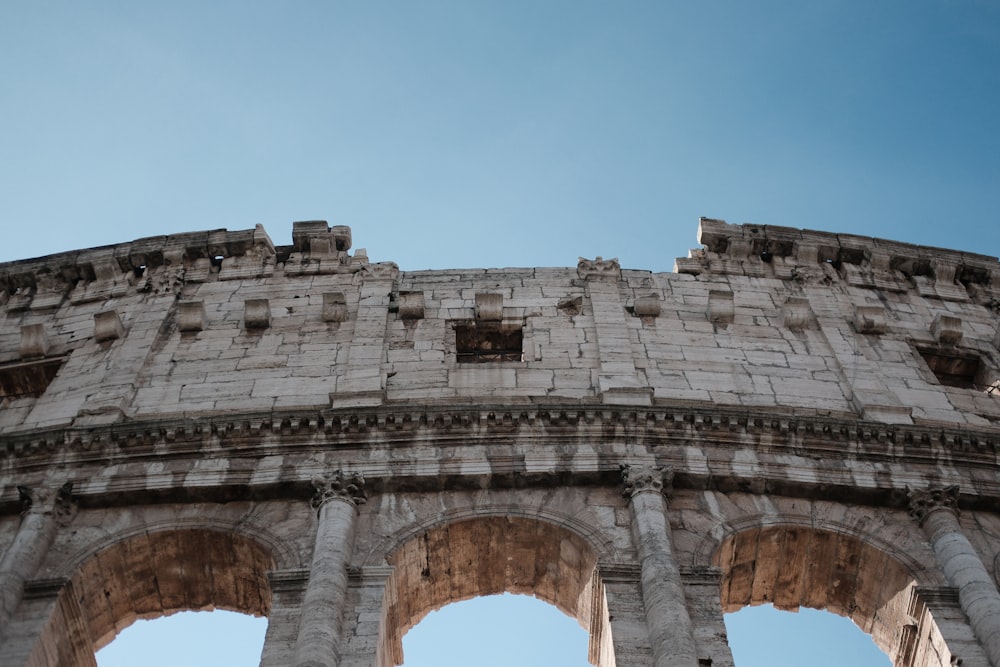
point(43, 511)
point(320, 628)
point(670, 631)
point(936, 510)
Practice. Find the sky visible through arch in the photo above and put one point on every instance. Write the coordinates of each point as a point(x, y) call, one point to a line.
point(514, 133)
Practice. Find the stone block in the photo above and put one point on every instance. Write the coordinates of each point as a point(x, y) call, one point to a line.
point(946, 329)
point(489, 307)
point(107, 326)
point(334, 307)
point(721, 308)
point(411, 305)
point(257, 313)
point(190, 316)
point(797, 314)
point(34, 341)
point(870, 320)
point(647, 306)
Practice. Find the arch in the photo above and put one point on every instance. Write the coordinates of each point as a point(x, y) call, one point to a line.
point(791, 565)
point(596, 540)
point(459, 559)
point(152, 574)
point(285, 555)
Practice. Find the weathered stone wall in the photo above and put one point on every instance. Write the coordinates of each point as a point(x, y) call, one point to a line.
point(802, 418)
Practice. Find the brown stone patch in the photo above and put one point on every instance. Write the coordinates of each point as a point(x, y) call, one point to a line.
point(156, 574)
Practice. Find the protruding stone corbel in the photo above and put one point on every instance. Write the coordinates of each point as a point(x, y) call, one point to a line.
point(647, 306)
point(924, 501)
point(721, 308)
point(599, 268)
point(946, 329)
point(257, 313)
point(107, 326)
point(34, 341)
point(641, 478)
point(190, 316)
point(339, 485)
point(797, 314)
point(411, 305)
point(870, 320)
point(334, 307)
point(489, 307)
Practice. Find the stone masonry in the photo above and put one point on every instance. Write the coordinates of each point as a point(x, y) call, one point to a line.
point(208, 421)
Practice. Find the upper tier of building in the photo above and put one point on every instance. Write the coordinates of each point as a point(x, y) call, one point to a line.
point(763, 320)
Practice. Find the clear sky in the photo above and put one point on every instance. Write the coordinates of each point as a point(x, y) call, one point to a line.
point(515, 133)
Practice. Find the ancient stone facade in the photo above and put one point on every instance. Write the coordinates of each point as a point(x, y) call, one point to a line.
point(208, 421)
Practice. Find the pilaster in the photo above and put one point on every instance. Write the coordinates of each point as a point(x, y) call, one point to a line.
point(619, 379)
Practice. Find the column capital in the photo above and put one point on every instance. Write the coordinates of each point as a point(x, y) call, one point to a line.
point(924, 501)
point(640, 478)
point(58, 503)
point(340, 485)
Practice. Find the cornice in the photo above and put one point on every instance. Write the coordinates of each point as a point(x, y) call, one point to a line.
point(802, 433)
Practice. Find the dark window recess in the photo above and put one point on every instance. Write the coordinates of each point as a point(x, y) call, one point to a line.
point(954, 370)
point(488, 341)
point(28, 378)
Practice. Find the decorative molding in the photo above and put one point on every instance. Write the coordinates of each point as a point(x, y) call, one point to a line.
point(339, 485)
point(599, 268)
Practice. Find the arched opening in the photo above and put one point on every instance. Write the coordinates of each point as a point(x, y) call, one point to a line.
point(152, 575)
point(790, 566)
point(763, 635)
point(497, 630)
point(489, 556)
point(193, 639)
point(157, 574)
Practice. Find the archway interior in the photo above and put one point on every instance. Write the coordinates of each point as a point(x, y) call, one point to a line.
point(488, 556)
point(796, 566)
point(157, 574)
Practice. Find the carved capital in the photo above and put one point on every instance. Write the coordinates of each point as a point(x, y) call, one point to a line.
point(925, 501)
point(58, 503)
point(599, 268)
point(348, 486)
point(640, 478)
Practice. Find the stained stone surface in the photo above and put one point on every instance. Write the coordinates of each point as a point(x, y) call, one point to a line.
point(800, 405)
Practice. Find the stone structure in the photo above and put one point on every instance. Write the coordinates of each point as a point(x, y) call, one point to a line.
point(209, 421)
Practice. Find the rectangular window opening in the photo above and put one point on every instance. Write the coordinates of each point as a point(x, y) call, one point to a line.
point(962, 370)
point(28, 378)
point(480, 342)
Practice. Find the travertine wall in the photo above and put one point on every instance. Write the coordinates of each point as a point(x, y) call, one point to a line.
point(794, 417)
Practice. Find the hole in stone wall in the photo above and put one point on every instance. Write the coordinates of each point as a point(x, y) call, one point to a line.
point(28, 378)
point(807, 637)
point(496, 630)
point(965, 371)
point(193, 639)
point(478, 342)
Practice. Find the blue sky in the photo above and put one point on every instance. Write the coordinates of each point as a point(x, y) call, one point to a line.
point(515, 133)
